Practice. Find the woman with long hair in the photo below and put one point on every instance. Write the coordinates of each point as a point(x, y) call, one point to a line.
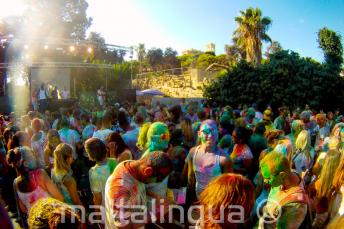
point(303, 157)
point(338, 132)
point(337, 196)
point(117, 148)
point(32, 183)
point(53, 141)
point(332, 143)
point(218, 198)
point(296, 127)
point(323, 185)
point(322, 190)
point(187, 133)
point(61, 174)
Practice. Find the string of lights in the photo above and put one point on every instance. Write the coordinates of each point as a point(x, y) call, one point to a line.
point(58, 44)
point(55, 65)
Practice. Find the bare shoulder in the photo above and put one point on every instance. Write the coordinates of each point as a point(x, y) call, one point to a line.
point(192, 151)
point(42, 175)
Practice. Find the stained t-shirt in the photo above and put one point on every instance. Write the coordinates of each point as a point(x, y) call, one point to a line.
point(99, 174)
point(122, 189)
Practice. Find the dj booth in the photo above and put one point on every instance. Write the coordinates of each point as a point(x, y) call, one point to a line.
point(55, 104)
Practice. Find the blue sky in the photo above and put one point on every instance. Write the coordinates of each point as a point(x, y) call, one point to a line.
point(184, 24)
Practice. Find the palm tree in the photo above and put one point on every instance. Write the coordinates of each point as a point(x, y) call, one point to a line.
point(141, 53)
point(251, 32)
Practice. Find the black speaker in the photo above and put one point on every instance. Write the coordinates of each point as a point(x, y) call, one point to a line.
point(127, 95)
point(55, 104)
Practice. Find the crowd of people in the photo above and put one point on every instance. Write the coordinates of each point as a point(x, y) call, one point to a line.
point(190, 165)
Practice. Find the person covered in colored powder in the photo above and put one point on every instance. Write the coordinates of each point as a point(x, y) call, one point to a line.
point(158, 138)
point(125, 190)
point(207, 160)
point(99, 173)
point(287, 202)
point(32, 183)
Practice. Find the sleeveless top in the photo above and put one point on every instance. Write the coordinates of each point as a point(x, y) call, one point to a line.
point(29, 198)
point(205, 174)
point(59, 179)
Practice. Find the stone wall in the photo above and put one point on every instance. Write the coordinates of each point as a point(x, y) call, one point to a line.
point(188, 84)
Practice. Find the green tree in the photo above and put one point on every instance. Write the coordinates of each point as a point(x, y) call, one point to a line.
point(204, 60)
point(97, 39)
point(330, 42)
point(187, 60)
point(273, 48)
point(155, 58)
point(251, 31)
point(53, 23)
point(141, 54)
point(170, 58)
point(221, 59)
point(193, 52)
point(97, 42)
point(285, 79)
point(234, 54)
point(58, 19)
